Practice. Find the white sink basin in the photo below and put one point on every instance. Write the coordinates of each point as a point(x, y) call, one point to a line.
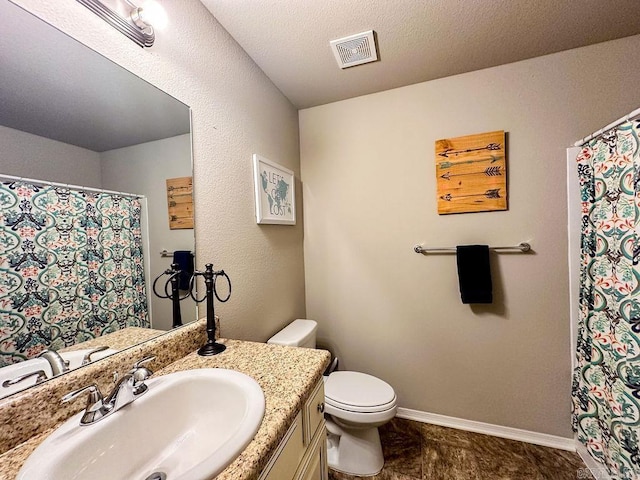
point(189, 425)
point(29, 366)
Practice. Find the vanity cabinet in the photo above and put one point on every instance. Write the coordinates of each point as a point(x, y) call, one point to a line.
point(302, 453)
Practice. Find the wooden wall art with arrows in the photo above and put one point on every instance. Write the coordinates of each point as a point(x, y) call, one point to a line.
point(471, 173)
point(180, 202)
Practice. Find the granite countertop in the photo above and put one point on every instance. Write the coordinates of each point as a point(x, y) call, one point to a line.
point(118, 340)
point(287, 376)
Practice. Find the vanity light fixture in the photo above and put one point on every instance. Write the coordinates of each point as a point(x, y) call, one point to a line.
point(134, 27)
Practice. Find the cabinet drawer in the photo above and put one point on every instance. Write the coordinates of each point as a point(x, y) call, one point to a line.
point(313, 412)
point(285, 460)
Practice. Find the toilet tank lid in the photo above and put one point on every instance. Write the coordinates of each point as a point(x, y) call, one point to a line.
point(296, 333)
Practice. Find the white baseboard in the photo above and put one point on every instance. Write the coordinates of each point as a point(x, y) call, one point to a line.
point(598, 471)
point(489, 429)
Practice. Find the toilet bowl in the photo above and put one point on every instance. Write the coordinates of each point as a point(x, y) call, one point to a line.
point(356, 404)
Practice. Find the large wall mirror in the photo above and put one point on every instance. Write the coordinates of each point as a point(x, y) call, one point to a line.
point(70, 116)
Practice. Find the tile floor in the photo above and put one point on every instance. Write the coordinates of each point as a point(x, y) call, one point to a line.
point(418, 451)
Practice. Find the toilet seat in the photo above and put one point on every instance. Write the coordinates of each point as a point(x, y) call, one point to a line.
point(359, 393)
point(356, 409)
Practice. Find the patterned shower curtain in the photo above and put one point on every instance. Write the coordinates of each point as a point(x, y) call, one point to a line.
point(71, 268)
point(606, 382)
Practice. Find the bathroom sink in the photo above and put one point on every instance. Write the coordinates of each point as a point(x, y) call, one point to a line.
point(189, 425)
point(33, 365)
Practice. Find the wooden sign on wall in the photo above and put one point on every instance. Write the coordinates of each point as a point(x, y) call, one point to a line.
point(180, 202)
point(471, 173)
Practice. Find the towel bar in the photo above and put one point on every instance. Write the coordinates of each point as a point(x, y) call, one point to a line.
point(522, 247)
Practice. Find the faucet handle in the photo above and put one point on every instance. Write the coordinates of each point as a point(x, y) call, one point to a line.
point(140, 374)
point(39, 374)
point(95, 395)
point(95, 410)
point(87, 358)
point(139, 363)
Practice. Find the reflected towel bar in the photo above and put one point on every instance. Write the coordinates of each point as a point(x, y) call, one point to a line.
point(522, 247)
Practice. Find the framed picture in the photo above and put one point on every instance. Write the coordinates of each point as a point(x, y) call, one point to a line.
point(275, 192)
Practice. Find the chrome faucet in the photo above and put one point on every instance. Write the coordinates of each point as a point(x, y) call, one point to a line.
point(130, 387)
point(39, 374)
point(58, 364)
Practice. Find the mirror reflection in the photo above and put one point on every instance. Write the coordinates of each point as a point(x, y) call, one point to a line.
point(87, 220)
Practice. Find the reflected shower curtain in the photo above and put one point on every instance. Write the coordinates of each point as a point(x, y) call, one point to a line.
point(71, 268)
point(606, 382)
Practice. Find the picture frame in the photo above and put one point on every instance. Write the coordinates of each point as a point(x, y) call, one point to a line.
point(275, 195)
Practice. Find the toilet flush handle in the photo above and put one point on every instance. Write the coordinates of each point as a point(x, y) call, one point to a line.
point(321, 407)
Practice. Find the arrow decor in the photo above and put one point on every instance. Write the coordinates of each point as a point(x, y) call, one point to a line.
point(450, 151)
point(471, 173)
point(495, 193)
point(489, 172)
point(493, 159)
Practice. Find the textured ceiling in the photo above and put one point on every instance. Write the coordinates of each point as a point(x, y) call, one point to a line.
point(418, 40)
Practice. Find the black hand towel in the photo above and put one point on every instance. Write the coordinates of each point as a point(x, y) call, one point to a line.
point(184, 259)
point(474, 273)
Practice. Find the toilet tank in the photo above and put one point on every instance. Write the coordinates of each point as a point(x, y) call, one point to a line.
point(299, 333)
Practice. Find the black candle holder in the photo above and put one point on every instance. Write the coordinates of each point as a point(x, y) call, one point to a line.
point(210, 276)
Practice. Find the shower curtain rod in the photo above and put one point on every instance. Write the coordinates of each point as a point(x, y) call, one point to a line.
point(70, 187)
point(626, 118)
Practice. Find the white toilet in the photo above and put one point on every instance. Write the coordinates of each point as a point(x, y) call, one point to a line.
point(356, 404)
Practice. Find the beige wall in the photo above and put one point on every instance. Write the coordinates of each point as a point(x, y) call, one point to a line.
point(369, 195)
point(237, 111)
point(32, 156)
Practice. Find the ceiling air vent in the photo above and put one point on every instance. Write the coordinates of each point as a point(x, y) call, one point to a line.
point(355, 49)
